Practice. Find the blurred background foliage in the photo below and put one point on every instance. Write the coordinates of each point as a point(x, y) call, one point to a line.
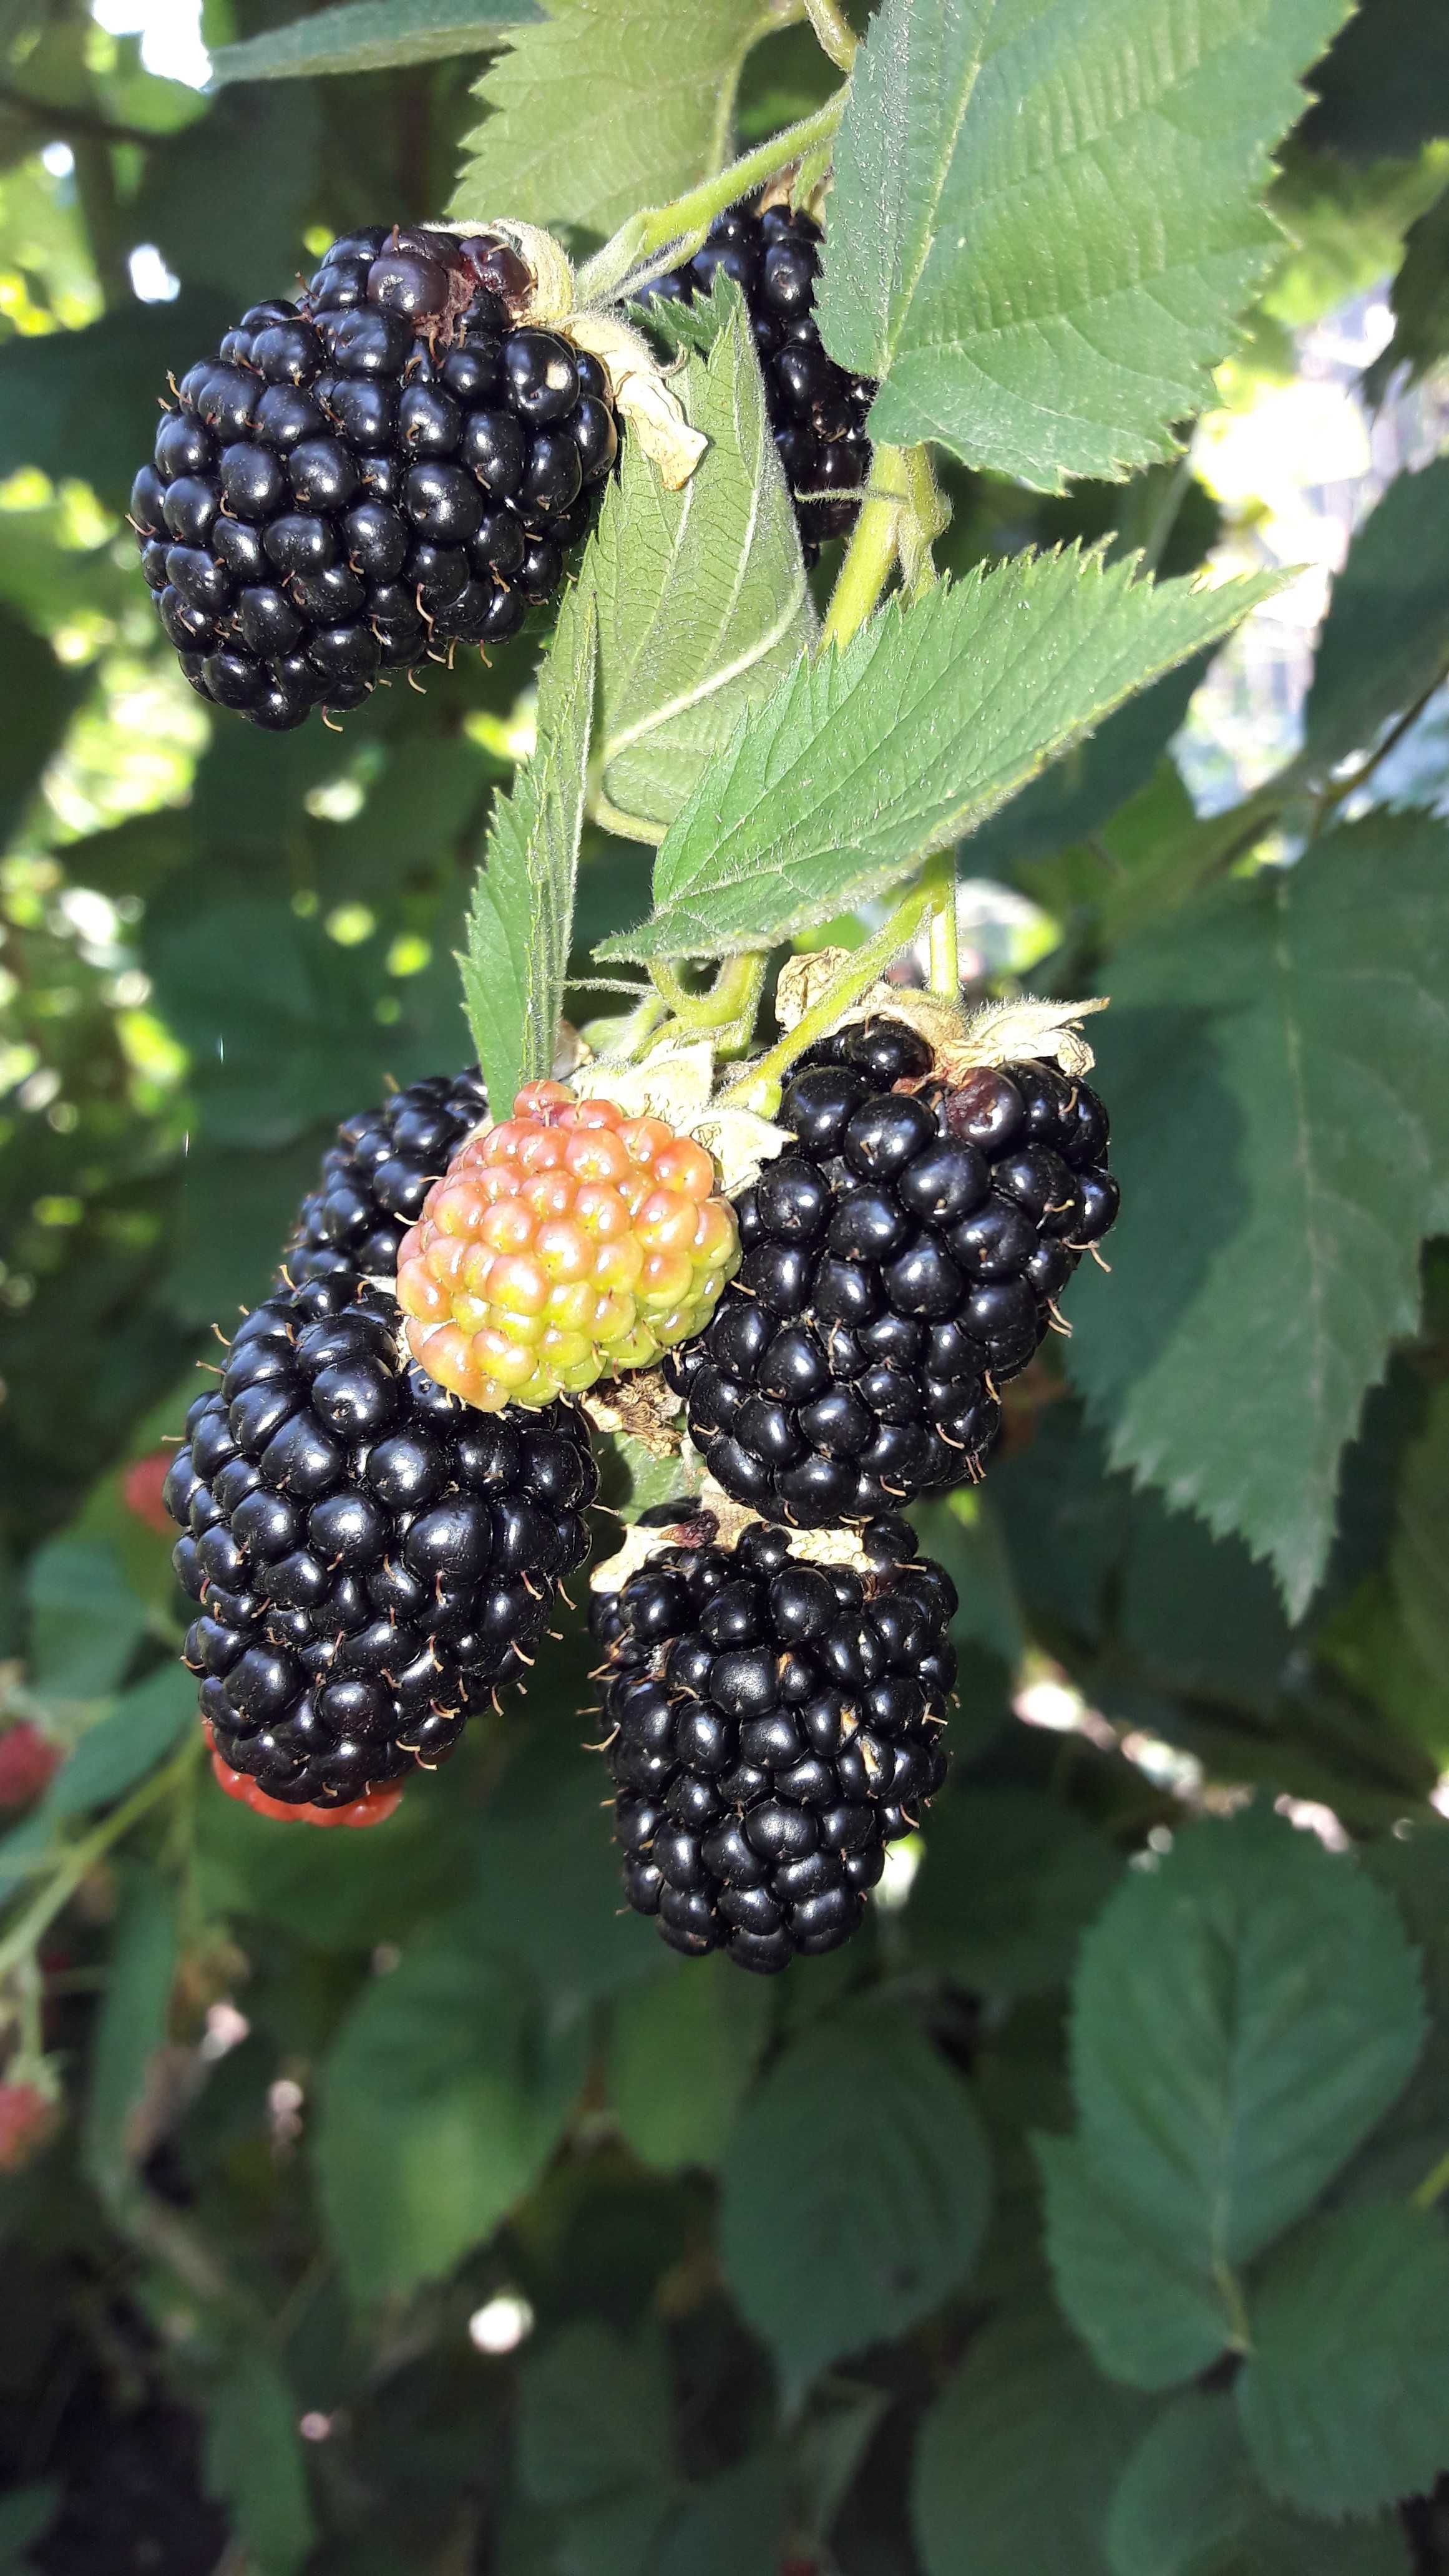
point(403, 2208)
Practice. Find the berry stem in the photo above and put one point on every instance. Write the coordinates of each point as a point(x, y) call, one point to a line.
point(758, 1086)
point(729, 1005)
point(833, 31)
point(938, 876)
point(78, 1859)
point(662, 236)
point(902, 514)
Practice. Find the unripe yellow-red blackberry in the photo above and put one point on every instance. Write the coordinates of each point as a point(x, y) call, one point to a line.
point(568, 1243)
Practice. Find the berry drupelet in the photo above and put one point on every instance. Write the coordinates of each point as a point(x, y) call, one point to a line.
point(771, 1725)
point(371, 1559)
point(375, 1178)
point(900, 1261)
point(817, 409)
point(367, 476)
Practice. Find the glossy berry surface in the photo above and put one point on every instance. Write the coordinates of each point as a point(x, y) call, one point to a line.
point(377, 1175)
point(817, 409)
point(370, 1560)
point(900, 1263)
point(302, 486)
point(771, 1725)
point(565, 1244)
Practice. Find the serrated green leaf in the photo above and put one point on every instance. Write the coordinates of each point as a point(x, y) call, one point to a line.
point(86, 1621)
point(1019, 2455)
point(1045, 217)
point(1144, 2313)
point(1385, 639)
point(702, 600)
point(444, 2096)
point(899, 2185)
point(610, 105)
point(1008, 1883)
point(1297, 1028)
point(1243, 2016)
point(1417, 1568)
point(933, 716)
point(254, 2462)
point(1188, 2504)
point(681, 2055)
point(132, 2027)
point(520, 921)
point(370, 36)
point(1344, 2399)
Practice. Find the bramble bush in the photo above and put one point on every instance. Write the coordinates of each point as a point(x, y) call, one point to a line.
point(395, 2203)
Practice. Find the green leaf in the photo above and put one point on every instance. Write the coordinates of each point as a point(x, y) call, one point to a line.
point(734, 2522)
point(1417, 1570)
point(681, 2055)
point(521, 918)
point(1044, 222)
point(1189, 2505)
point(445, 2095)
point(1144, 2312)
point(1420, 300)
point(43, 698)
point(49, 415)
point(641, 90)
point(1385, 639)
point(85, 1620)
point(1344, 2397)
point(1019, 2455)
point(896, 2160)
point(702, 600)
point(583, 1943)
point(1244, 2015)
point(1008, 1883)
point(139, 1732)
point(370, 36)
point(25, 2514)
point(1297, 1028)
point(132, 2027)
point(933, 716)
point(1097, 777)
point(254, 2462)
point(593, 2416)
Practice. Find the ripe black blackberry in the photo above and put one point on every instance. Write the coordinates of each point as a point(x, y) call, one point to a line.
point(376, 1177)
point(371, 1556)
point(771, 1725)
point(817, 409)
point(901, 1261)
point(369, 475)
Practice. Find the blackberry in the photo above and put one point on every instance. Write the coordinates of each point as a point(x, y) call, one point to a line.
point(901, 1261)
point(371, 1558)
point(369, 475)
point(817, 409)
point(377, 1175)
point(771, 1725)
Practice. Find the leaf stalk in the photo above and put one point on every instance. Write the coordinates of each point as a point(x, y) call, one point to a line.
point(758, 1087)
point(663, 235)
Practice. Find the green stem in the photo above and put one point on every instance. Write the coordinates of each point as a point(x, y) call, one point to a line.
point(1433, 2186)
point(833, 31)
point(735, 988)
point(637, 250)
point(758, 1085)
point(78, 1859)
point(900, 517)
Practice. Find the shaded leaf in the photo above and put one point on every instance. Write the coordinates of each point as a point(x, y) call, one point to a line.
point(1045, 219)
point(681, 2055)
point(593, 2416)
point(85, 1620)
point(521, 917)
point(1344, 2398)
point(1189, 2505)
point(1244, 2014)
point(369, 36)
point(1419, 297)
point(49, 415)
point(444, 2095)
point(932, 717)
point(254, 2461)
point(1008, 1883)
point(139, 1732)
point(1145, 2314)
point(1385, 639)
point(898, 2189)
point(132, 2028)
point(1018, 2456)
point(1297, 1029)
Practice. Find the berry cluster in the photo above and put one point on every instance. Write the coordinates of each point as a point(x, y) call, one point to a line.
point(817, 409)
point(563, 1244)
point(900, 1262)
point(771, 1726)
point(370, 1557)
point(375, 1178)
point(366, 476)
